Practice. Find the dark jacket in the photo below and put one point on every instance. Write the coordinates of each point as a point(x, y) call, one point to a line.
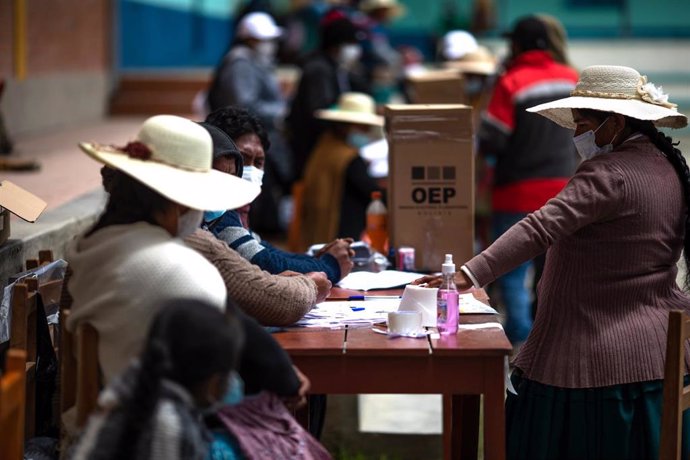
point(527, 146)
point(321, 84)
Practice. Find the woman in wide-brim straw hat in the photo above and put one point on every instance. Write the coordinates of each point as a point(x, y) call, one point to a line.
point(132, 259)
point(337, 184)
point(589, 377)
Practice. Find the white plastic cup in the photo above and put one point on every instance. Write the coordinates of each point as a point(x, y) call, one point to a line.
point(404, 322)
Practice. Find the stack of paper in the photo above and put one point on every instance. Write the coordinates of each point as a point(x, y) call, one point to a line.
point(360, 313)
point(387, 279)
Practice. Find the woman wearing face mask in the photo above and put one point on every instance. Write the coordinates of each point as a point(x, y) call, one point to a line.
point(337, 185)
point(152, 411)
point(589, 377)
point(133, 258)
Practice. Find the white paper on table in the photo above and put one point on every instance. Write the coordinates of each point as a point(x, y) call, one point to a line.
point(387, 279)
point(467, 304)
point(354, 313)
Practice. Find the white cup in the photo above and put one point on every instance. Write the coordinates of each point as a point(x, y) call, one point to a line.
point(404, 322)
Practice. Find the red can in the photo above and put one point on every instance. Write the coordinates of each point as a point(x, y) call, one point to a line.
point(406, 259)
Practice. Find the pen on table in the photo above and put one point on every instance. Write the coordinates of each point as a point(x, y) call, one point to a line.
point(345, 340)
point(372, 297)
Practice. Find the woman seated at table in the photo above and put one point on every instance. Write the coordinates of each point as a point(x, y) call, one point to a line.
point(272, 300)
point(589, 377)
point(337, 184)
point(132, 260)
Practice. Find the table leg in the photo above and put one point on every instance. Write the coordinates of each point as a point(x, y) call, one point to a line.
point(460, 426)
point(494, 411)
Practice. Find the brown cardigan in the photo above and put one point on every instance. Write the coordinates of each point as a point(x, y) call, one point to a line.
point(273, 300)
point(614, 236)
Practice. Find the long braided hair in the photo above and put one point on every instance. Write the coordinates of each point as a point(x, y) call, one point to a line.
point(188, 342)
point(674, 156)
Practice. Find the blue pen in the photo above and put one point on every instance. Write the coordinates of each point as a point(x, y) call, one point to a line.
point(357, 308)
point(372, 297)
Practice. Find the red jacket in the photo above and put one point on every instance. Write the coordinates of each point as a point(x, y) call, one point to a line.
point(534, 156)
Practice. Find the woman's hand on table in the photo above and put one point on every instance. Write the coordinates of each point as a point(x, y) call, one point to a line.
point(340, 249)
point(462, 282)
point(431, 281)
point(323, 285)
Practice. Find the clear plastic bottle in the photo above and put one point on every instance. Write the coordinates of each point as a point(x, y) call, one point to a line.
point(377, 217)
point(447, 300)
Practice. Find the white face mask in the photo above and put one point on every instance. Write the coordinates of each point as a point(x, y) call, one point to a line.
point(267, 50)
point(253, 175)
point(189, 222)
point(586, 145)
point(349, 54)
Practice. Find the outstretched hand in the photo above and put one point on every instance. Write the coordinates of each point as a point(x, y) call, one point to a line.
point(462, 282)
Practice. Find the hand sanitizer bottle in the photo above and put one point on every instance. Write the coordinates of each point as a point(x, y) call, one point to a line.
point(447, 300)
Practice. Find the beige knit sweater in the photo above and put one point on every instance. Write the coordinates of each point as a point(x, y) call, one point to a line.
point(614, 235)
point(273, 300)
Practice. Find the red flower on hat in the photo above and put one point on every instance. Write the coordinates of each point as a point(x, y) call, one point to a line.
point(137, 150)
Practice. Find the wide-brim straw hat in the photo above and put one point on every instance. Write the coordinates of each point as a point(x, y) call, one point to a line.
point(394, 8)
point(479, 62)
point(614, 89)
point(173, 156)
point(358, 108)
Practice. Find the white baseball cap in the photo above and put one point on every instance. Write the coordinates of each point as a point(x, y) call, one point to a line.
point(260, 26)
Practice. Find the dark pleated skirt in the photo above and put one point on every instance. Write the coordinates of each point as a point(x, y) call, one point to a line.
point(618, 422)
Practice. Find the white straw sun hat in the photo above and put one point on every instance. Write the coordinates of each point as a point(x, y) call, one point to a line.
point(614, 89)
point(173, 156)
point(356, 108)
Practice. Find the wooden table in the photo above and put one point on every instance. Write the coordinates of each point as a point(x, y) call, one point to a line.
point(460, 367)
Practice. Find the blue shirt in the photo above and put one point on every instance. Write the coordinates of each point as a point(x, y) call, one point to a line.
point(229, 228)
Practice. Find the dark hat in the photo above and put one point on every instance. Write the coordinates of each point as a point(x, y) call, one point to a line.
point(337, 29)
point(529, 33)
point(223, 145)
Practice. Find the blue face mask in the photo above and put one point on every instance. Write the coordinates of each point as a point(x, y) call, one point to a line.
point(358, 140)
point(210, 216)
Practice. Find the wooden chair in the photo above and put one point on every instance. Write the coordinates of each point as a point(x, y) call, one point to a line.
point(80, 380)
point(676, 395)
point(12, 406)
point(23, 337)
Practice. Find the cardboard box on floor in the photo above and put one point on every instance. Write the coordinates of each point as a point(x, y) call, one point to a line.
point(431, 182)
point(16, 200)
point(438, 86)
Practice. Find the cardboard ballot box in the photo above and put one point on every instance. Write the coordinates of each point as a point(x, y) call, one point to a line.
point(431, 182)
point(439, 86)
point(16, 200)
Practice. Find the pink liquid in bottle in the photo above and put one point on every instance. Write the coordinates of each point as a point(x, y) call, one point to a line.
point(447, 311)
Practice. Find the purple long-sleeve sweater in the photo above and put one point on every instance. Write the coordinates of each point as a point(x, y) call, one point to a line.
point(614, 235)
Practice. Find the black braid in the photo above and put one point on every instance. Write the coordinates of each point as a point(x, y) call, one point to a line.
point(139, 408)
point(675, 157)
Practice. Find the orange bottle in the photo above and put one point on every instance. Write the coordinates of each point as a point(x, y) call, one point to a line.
point(377, 223)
